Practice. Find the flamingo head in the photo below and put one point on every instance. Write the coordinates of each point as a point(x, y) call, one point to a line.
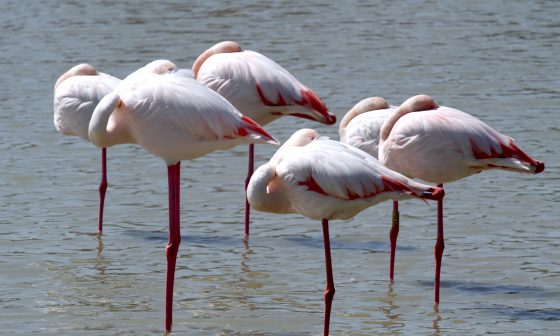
point(302, 137)
point(419, 103)
point(218, 48)
point(82, 69)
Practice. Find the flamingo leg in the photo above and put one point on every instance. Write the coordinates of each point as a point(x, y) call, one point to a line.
point(393, 234)
point(102, 189)
point(174, 178)
point(438, 248)
point(249, 174)
point(329, 291)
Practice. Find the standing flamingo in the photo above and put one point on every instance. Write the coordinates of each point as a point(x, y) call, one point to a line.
point(175, 118)
point(76, 94)
point(259, 88)
point(324, 179)
point(360, 128)
point(439, 144)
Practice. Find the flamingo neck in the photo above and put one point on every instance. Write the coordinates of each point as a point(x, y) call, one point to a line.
point(104, 132)
point(265, 193)
point(413, 104)
point(363, 106)
point(220, 48)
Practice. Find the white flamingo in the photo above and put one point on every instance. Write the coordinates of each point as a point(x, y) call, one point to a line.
point(76, 94)
point(176, 118)
point(259, 88)
point(440, 144)
point(324, 179)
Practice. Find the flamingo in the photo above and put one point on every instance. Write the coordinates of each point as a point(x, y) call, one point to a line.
point(324, 179)
point(76, 94)
point(176, 118)
point(360, 128)
point(259, 88)
point(440, 144)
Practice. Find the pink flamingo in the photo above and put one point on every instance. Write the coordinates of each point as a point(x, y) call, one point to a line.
point(439, 144)
point(76, 94)
point(259, 88)
point(360, 128)
point(175, 118)
point(324, 179)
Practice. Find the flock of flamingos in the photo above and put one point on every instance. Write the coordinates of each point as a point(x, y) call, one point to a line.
point(181, 114)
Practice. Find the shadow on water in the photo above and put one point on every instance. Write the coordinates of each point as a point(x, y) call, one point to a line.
point(483, 289)
point(514, 313)
point(547, 314)
point(317, 242)
point(189, 238)
point(304, 241)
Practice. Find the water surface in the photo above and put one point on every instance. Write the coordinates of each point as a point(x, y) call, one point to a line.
point(497, 60)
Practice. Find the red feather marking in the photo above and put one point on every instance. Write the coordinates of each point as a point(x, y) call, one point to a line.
point(310, 99)
point(392, 184)
point(313, 186)
point(253, 126)
point(281, 101)
point(506, 151)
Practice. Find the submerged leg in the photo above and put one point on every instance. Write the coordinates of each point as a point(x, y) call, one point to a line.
point(174, 178)
point(329, 291)
point(249, 174)
point(393, 234)
point(102, 189)
point(440, 245)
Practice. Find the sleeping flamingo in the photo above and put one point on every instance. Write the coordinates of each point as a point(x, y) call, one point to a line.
point(440, 144)
point(176, 118)
point(76, 94)
point(259, 88)
point(324, 179)
point(360, 128)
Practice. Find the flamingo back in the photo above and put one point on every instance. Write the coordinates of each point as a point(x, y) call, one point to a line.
point(176, 118)
point(260, 88)
point(445, 144)
point(75, 99)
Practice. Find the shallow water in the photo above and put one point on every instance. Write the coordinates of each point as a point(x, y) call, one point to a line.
point(497, 60)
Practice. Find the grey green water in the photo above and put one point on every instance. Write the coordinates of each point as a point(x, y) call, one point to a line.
point(497, 60)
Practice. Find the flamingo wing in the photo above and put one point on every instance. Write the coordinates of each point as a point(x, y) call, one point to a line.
point(363, 131)
point(258, 86)
point(446, 144)
point(341, 171)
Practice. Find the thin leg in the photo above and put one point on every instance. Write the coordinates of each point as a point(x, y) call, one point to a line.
point(438, 248)
point(249, 174)
point(329, 291)
point(393, 234)
point(102, 189)
point(174, 177)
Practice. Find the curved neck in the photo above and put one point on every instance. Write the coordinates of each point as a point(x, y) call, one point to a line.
point(365, 105)
point(413, 104)
point(97, 130)
point(222, 47)
point(83, 69)
point(264, 193)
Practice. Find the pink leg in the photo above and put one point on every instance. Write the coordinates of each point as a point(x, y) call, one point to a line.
point(102, 189)
point(329, 291)
point(393, 234)
point(249, 174)
point(174, 178)
point(440, 245)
